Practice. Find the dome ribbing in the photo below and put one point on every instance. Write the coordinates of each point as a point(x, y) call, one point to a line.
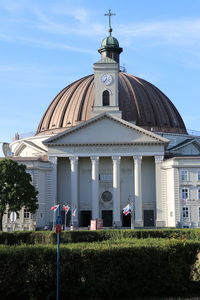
point(140, 102)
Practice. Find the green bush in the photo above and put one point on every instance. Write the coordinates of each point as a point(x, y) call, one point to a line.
point(49, 237)
point(118, 269)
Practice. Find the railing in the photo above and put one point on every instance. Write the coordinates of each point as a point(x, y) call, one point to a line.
point(193, 132)
point(19, 136)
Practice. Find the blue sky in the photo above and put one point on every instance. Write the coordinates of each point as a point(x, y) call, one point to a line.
point(45, 45)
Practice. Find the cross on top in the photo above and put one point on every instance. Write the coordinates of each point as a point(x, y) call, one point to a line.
point(110, 14)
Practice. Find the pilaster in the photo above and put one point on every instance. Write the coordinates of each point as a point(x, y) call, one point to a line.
point(158, 180)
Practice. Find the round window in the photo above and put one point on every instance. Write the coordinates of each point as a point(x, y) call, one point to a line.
point(106, 196)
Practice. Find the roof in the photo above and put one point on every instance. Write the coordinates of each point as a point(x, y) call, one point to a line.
point(140, 102)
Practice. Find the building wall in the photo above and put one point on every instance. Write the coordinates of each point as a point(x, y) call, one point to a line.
point(148, 183)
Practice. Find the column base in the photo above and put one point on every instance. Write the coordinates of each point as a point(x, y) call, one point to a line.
point(117, 224)
point(160, 224)
point(75, 224)
point(138, 223)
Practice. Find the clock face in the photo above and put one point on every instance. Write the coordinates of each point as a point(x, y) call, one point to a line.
point(106, 79)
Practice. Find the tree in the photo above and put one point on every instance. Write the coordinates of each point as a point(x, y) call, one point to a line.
point(16, 189)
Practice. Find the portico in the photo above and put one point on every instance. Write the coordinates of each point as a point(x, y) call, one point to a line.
point(102, 178)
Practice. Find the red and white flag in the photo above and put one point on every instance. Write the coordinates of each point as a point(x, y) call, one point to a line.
point(74, 212)
point(55, 207)
point(66, 208)
point(127, 209)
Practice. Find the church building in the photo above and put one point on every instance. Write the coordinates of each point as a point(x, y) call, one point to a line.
point(107, 140)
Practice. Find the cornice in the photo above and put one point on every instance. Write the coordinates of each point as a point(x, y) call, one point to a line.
point(105, 144)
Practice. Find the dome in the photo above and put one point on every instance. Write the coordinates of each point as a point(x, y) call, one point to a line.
point(110, 41)
point(140, 102)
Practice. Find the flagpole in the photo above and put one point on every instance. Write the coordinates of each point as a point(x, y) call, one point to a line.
point(131, 202)
point(58, 263)
point(132, 215)
point(65, 220)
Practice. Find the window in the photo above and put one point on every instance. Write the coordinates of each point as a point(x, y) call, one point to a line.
point(184, 175)
point(27, 214)
point(185, 211)
point(184, 194)
point(106, 98)
point(198, 175)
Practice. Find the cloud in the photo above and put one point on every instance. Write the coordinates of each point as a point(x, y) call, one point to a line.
point(44, 44)
point(177, 32)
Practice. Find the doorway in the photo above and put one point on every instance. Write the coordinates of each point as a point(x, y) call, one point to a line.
point(85, 217)
point(126, 220)
point(149, 218)
point(107, 216)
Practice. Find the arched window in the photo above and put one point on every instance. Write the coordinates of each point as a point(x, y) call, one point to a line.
point(106, 98)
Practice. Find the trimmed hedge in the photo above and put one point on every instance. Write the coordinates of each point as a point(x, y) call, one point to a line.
point(49, 237)
point(124, 269)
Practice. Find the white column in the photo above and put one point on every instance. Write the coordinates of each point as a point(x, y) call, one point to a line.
point(138, 191)
point(158, 180)
point(53, 187)
point(74, 187)
point(116, 191)
point(54, 161)
point(95, 187)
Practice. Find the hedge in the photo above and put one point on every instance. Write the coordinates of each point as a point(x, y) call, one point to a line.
point(49, 237)
point(124, 269)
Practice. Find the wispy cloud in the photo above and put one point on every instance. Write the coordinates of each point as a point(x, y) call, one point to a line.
point(44, 44)
point(169, 32)
point(82, 28)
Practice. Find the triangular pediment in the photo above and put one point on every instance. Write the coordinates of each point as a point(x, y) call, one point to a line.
point(187, 147)
point(28, 147)
point(105, 129)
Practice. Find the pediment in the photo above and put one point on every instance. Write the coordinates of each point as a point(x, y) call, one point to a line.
point(28, 148)
point(188, 147)
point(105, 129)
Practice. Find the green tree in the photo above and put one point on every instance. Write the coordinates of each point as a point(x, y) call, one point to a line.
point(16, 189)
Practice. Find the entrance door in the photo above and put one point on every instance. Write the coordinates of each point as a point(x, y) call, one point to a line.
point(126, 220)
point(107, 216)
point(85, 218)
point(149, 218)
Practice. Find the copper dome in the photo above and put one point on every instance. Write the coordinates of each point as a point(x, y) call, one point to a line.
point(140, 102)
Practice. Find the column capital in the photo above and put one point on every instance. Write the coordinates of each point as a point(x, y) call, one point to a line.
point(94, 158)
point(73, 159)
point(137, 159)
point(158, 158)
point(116, 158)
point(53, 159)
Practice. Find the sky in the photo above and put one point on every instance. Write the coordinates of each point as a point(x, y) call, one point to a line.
point(45, 45)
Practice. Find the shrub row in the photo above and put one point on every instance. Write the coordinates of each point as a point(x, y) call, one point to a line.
point(118, 270)
point(49, 237)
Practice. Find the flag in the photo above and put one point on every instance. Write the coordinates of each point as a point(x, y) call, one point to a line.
point(66, 208)
point(55, 207)
point(127, 209)
point(74, 212)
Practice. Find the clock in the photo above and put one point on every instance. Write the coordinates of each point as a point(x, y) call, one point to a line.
point(106, 79)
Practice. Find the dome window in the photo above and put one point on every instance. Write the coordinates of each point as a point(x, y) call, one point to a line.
point(106, 98)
